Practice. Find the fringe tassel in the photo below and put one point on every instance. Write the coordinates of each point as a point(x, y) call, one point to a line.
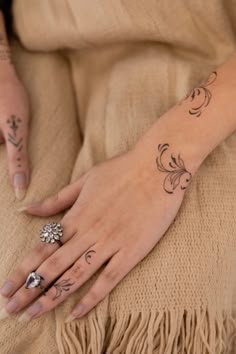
point(198, 331)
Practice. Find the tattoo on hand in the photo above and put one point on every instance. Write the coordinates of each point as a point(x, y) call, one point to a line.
point(13, 123)
point(203, 93)
point(64, 284)
point(88, 255)
point(177, 175)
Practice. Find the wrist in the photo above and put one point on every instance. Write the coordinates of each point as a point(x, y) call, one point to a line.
point(179, 140)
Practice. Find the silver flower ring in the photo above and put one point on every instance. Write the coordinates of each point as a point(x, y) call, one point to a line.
point(51, 233)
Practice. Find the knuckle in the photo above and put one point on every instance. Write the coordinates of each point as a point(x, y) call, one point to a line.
point(77, 270)
point(93, 295)
point(40, 250)
point(53, 262)
point(110, 274)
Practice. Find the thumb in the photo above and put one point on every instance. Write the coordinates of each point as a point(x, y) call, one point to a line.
point(57, 202)
point(16, 137)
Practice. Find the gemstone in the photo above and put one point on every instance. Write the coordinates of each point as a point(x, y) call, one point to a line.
point(33, 280)
point(51, 232)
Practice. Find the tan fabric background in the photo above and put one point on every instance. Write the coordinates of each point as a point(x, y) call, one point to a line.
point(98, 73)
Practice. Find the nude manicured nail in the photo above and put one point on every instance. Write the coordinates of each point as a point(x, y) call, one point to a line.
point(12, 305)
point(77, 312)
point(19, 182)
point(4, 313)
point(70, 318)
point(24, 207)
point(31, 311)
point(3, 301)
point(6, 288)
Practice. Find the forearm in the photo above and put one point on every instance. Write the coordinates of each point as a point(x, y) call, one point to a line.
point(201, 121)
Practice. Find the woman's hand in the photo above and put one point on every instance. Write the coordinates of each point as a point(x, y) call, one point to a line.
point(121, 209)
point(14, 118)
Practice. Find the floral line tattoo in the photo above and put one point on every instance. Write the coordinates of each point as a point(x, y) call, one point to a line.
point(175, 171)
point(62, 285)
point(202, 91)
point(88, 255)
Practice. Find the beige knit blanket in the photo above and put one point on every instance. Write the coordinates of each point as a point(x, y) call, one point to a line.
point(98, 74)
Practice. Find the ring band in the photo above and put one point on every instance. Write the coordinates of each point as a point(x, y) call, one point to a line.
point(51, 233)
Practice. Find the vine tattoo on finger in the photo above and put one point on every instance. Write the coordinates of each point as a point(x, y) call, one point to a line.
point(63, 285)
point(176, 173)
point(13, 123)
point(203, 93)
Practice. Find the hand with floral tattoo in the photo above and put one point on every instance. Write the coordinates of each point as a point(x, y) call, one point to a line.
point(14, 118)
point(121, 208)
point(119, 211)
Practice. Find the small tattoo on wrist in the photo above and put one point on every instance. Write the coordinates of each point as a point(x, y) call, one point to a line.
point(177, 174)
point(203, 94)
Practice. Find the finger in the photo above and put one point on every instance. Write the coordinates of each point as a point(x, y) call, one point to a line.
point(112, 274)
point(16, 136)
point(38, 255)
point(57, 202)
point(50, 268)
point(91, 260)
point(2, 140)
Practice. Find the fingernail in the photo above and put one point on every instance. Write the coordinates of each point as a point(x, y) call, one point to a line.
point(3, 313)
point(19, 182)
point(7, 309)
point(70, 318)
point(12, 305)
point(3, 301)
point(31, 311)
point(24, 207)
point(76, 313)
point(6, 288)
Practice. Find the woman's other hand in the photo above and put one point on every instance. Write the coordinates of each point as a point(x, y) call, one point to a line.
point(14, 117)
point(14, 121)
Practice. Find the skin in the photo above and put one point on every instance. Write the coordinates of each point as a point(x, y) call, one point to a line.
point(121, 208)
point(95, 233)
point(14, 106)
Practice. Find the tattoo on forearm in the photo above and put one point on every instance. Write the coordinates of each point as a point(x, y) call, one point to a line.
point(63, 285)
point(177, 175)
point(203, 94)
point(88, 255)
